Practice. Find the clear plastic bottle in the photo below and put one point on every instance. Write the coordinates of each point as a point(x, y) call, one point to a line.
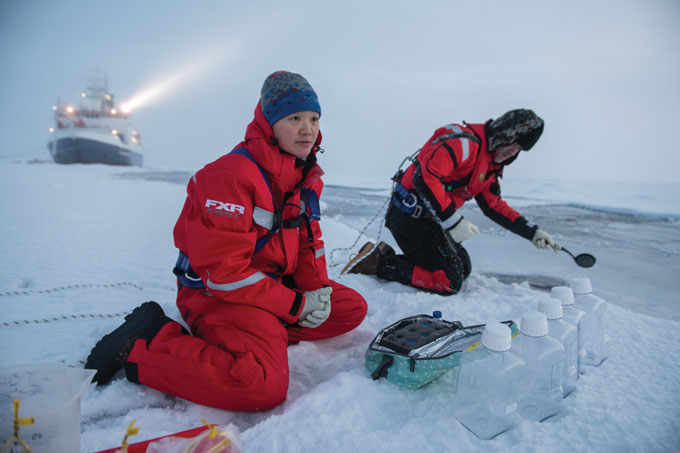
point(486, 393)
point(574, 316)
point(540, 394)
point(596, 340)
point(566, 334)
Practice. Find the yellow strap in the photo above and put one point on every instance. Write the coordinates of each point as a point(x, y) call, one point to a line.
point(214, 432)
point(18, 421)
point(131, 430)
point(220, 446)
point(473, 346)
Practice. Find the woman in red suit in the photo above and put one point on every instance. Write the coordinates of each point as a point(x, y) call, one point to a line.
point(251, 269)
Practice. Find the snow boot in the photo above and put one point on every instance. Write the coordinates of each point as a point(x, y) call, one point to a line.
point(367, 260)
point(110, 353)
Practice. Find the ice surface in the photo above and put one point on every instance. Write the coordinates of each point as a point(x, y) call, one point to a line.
point(71, 234)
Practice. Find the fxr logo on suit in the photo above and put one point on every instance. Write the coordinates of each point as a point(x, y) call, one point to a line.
point(223, 208)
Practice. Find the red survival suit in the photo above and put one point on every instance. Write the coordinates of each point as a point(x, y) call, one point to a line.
point(455, 170)
point(452, 167)
point(246, 314)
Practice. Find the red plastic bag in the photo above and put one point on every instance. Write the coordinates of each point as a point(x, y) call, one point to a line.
point(217, 439)
point(196, 440)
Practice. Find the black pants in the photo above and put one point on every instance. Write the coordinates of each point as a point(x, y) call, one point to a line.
point(431, 260)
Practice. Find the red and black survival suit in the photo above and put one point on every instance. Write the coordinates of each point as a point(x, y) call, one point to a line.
point(453, 167)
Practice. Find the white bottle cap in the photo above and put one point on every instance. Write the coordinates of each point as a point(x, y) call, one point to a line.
point(563, 293)
point(534, 324)
point(497, 337)
point(581, 285)
point(552, 308)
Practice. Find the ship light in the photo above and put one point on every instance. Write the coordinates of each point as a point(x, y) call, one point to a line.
point(190, 70)
point(125, 108)
point(54, 107)
point(51, 130)
point(134, 139)
point(114, 132)
point(69, 109)
point(83, 94)
point(113, 111)
point(108, 97)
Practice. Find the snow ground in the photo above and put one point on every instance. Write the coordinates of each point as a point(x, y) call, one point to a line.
point(98, 226)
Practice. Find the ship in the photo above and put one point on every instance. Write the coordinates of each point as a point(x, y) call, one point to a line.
point(95, 132)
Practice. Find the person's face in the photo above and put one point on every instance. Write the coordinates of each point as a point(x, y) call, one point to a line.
point(297, 132)
point(506, 152)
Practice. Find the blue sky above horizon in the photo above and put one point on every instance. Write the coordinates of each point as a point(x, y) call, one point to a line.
point(604, 75)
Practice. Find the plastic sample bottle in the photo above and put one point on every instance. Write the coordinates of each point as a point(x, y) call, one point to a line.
point(437, 317)
point(486, 393)
point(572, 315)
point(566, 334)
point(540, 394)
point(595, 339)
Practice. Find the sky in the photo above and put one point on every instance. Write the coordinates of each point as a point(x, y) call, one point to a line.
point(603, 75)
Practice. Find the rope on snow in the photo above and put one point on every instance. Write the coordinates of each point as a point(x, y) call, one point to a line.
point(361, 233)
point(411, 158)
point(59, 318)
point(62, 288)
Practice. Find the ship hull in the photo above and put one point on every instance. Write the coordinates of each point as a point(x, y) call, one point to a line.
point(81, 150)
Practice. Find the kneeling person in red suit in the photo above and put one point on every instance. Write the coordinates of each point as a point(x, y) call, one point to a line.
point(251, 269)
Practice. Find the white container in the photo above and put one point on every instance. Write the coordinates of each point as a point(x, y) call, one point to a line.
point(573, 316)
point(486, 393)
point(51, 395)
point(540, 394)
point(566, 334)
point(595, 339)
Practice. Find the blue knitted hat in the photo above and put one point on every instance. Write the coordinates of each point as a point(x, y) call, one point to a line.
point(284, 93)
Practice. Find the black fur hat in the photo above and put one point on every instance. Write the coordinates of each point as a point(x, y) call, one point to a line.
point(520, 126)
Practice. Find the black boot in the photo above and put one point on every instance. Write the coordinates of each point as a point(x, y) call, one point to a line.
point(110, 353)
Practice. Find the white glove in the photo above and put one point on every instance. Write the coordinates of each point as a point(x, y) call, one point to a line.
point(542, 240)
point(463, 230)
point(317, 307)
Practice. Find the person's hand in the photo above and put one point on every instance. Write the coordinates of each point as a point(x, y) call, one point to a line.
point(463, 230)
point(542, 240)
point(317, 307)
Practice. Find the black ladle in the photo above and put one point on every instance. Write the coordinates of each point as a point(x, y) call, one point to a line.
point(583, 260)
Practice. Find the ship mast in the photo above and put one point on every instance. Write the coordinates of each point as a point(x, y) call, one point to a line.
point(96, 95)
